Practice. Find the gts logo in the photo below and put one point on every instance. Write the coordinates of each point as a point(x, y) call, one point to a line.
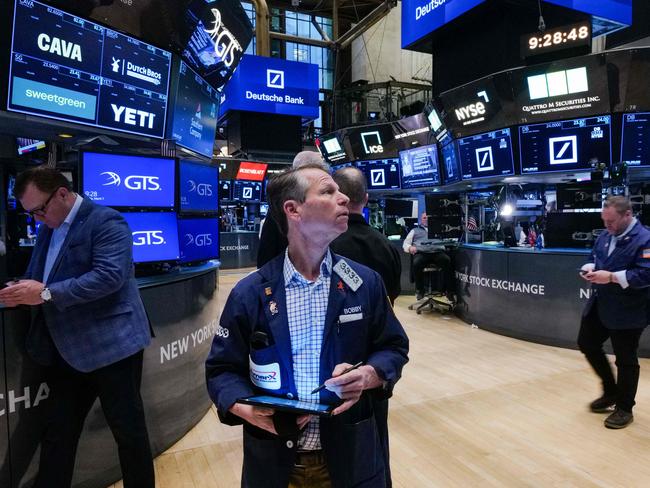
point(148, 238)
point(199, 240)
point(133, 182)
point(202, 189)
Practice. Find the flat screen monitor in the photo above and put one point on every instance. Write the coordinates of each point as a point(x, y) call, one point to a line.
point(579, 195)
point(28, 145)
point(336, 167)
point(381, 174)
point(450, 163)
point(247, 191)
point(249, 170)
point(398, 208)
point(420, 167)
point(412, 132)
point(371, 142)
point(68, 68)
point(198, 239)
point(155, 236)
point(117, 180)
point(225, 190)
point(331, 148)
point(198, 187)
point(487, 154)
point(568, 145)
point(635, 141)
point(196, 108)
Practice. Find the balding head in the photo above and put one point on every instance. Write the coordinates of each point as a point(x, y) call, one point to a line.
point(352, 183)
point(310, 157)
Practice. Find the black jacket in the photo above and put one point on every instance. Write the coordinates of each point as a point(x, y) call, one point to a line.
point(272, 241)
point(365, 245)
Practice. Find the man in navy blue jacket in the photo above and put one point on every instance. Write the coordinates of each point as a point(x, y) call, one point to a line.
point(89, 325)
point(299, 321)
point(618, 308)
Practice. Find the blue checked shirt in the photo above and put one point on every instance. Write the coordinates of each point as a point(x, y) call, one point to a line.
point(306, 309)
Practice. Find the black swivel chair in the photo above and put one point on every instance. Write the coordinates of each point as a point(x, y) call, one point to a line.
point(434, 297)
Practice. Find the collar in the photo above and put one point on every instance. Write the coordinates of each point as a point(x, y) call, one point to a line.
point(628, 229)
point(74, 210)
point(291, 274)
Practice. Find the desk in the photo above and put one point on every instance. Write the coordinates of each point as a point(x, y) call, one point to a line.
point(534, 295)
point(173, 380)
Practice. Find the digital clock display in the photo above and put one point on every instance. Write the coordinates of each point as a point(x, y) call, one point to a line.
point(569, 36)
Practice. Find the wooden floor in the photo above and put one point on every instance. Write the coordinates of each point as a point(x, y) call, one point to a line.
point(473, 409)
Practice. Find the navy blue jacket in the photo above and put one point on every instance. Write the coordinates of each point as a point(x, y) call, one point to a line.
point(96, 316)
point(350, 441)
point(620, 308)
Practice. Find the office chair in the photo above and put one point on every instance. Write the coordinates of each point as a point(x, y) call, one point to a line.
point(434, 298)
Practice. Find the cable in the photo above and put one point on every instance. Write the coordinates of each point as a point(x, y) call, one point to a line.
point(541, 25)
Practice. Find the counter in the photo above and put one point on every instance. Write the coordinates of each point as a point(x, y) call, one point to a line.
point(238, 249)
point(529, 294)
point(183, 310)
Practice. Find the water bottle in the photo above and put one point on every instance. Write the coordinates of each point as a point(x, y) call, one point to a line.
point(539, 242)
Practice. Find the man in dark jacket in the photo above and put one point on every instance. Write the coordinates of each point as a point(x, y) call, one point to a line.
point(618, 308)
point(300, 321)
point(362, 243)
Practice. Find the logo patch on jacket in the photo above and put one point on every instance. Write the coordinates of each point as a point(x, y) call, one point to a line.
point(265, 376)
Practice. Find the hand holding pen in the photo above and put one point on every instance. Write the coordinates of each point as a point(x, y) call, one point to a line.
point(349, 381)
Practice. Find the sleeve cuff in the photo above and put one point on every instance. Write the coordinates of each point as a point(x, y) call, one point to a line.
point(622, 279)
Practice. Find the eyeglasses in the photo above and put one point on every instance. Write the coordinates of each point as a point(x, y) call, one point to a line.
point(42, 210)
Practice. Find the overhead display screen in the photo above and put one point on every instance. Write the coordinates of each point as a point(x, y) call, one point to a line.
point(273, 85)
point(633, 67)
point(331, 149)
point(371, 142)
point(483, 105)
point(247, 191)
point(225, 190)
point(421, 17)
point(198, 239)
point(484, 155)
point(196, 108)
point(450, 163)
point(617, 10)
point(420, 167)
point(68, 68)
point(198, 187)
point(574, 87)
point(635, 141)
point(128, 181)
point(381, 174)
point(218, 33)
point(569, 145)
point(412, 131)
point(155, 236)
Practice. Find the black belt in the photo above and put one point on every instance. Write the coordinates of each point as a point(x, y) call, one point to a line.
point(309, 458)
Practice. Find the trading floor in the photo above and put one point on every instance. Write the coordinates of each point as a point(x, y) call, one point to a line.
point(473, 409)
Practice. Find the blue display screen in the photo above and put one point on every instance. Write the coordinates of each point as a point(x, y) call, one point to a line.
point(420, 17)
point(198, 187)
point(450, 165)
point(568, 145)
point(198, 239)
point(331, 149)
point(617, 10)
point(196, 108)
point(68, 68)
point(635, 141)
point(273, 85)
point(381, 174)
point(117, 180)
point(250, 191)
point(484, 155)
point(155, 236)
point(420, 167)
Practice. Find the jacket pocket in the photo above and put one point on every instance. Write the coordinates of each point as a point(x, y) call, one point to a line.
point(264, 369)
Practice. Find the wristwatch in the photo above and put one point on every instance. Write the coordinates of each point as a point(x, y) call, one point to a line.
point(46, 295)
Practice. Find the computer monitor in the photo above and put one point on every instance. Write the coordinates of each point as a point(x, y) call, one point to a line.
point(567, 145)
point(198, 187)
point(485, 155)
point(580, 195)
point(635, 139)
point(381, 174)
point(155, 236)
point(420, 167)
point(198, 239)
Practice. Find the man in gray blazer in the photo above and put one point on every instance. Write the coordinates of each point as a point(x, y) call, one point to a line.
point(89, 325)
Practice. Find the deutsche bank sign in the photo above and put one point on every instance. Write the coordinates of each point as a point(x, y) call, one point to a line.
point(421, 17)
point(273, 85)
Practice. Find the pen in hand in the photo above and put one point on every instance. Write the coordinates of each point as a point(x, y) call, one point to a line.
point(346, 370)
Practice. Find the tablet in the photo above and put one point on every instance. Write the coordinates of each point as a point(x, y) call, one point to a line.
point(287, 405)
